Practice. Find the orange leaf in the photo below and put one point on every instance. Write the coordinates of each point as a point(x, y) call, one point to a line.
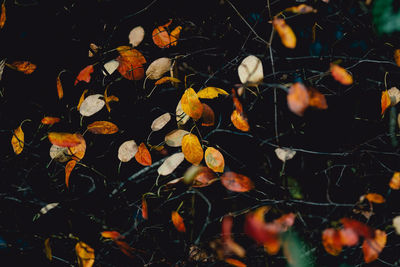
point(204, 177)
point(50, 120)
point(298, 98)
point(395, 181)
point(191, 104)
point(273, 246)
point(64, 139)
point(236, 102)
point(317, 99)
point(130, 63)
point(236, 182)
point(286, 33)
point(161, 37)
point(167, 79)
point(68, 169)
point(174, 35)
point(60, 90)
point(359, 228)
point(385, 101)
point(341, 75)
point(143, 156)
point(373, 246)
point(102, 127)
point(3, 15)
point(108, 99)
point(24, 66)
point(214, 159)
point(208, 116)
point(301, 9)
point(240, 121)
point(81, 99)
point(85, 254)
point(125, 248)
point(177, 220)
point(114, 235)
point(331, 241)
point(145, 213)
point(17, 140)
point(396, 56)
point(47, 249)
point(78, 152)
point(84, 75)
point(375, 198)
point(192, 149)
point(235, 262)
point(348, 237)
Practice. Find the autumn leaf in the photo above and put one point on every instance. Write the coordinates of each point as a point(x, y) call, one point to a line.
point(174, 138)
point(284, 154)
point(396, 56)
point(236, 182)
point(286, 33)
point(143, 156)
point(64, 139)
point(17, 140)
point(125, 248)
point(235, 262)
point(396, 224)
point(204, 177)
point(208, 116)
point(78, 152)
point(68, 169)
point(177, 220)
point(331, 241)
point(341, 75)
point(3, 15)
point(214, 159)
point(191, 104)
point(298, 98)
point(50, 120)
point(108, 99)
point(136, 36)
point(127, 150)
point(211, 92)
point(131, 63)
point(317, 99)
point(102, 127)
point(160, 122)
point(375, 198)
point(170, 164)
point(371, 247)
point(240, 121)
point(85, 254)
point(47, 249)
point(60, 91)
point(167, 79)
point(114, 235)
point(385, 101)
point(84, 75)
point(174, 35)
point(23, 66)
point(161, 37)
point(91, 105)
point(81, 99)
point(395, 181)
point(192, 149)
point(250, 71)
point(110, 67)
point(181, 117)
point(158, 67)
point(145, 213)
point(301, 9)
point(236, 102)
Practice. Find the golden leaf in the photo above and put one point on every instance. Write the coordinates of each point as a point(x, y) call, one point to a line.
point(211, 92)
point(85, 254)
point(191, 104)
point(102, 127)
point(214, 159)
point(192, 149)
point(286, 33)
point(17, 140)
point(341, 75)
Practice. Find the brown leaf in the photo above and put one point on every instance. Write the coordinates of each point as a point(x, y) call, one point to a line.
point(102, 127)
point(24, 66)
point(50, 120)
point(208, 116)
point(130, 63)
point(84, 75)
point(240, 121)
point(341, 75)
point(64, 139)
point(214, 159)
point(17, 140)
point(192, 149)
point(298, 98)
point(3, 15)
point(68, 169)
point(85, 254)
point(373, 246)
point(177, 220)
point(60, 91)
point(286, 33)
point(191, 104)
point(236, 182)
point(395, 181)
point(143, 156)
point(161, 37)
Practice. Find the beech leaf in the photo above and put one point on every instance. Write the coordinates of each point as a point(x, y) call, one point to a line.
point(85, 254)
point(214, 159)
point(177, 220)
point(284, 154)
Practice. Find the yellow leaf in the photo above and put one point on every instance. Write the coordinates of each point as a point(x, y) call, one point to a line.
point(167, 79)
point(395, 181)
point(102, 127)
point(286, 33)
point(17, 140)
point(3, 15)
point(240, 121)
point(85, 254)
point(191, 104)
point(81, 99)
point(174, 35)
point(192, 149)
point(214, 159)
point(301, 9)
point(47, 249)
point(211, 92)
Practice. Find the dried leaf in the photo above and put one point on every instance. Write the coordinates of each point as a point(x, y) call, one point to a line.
point(190, 174)
point(348, 237)
point(341, 75)
point(18, 140)
point(208, 116)
point(236, 182)
point(50, 120)
point(240, 121)
point(214, 159)
point(114, 235)
point(47, 249)
point(81, 99)
point(286, 33)
point(331, 241)
point(2, 65)
point(143, 156)
point(64, 139)
point(3, 16)
point(395, 181)
point(396, 56)
point(385, 101)
point(68, 169)
point(125, 248)
point(211, 92)
point(145, 213)
point(192, 149)
point(373, 246)
point(108, 99)
point(191, 104)
point(251, 71)
point(85, 74)
point(59, 153)
point(160, 122)
point(375, 198)
point(284, 154)
point(24, 66)
point(161, 37)
point(181, 116)
point(158, 67)
point(394, 95)
point(91, 105)
point(235, 262)
point(110, 67)
point(301, 9)
point(204, 177)
point(177, 220)
point(48, 207)
point(174, 138)
point(298, 98)
point(102, 127)
point(167, 79)
point(78, 152)
point(170, 164)
point(396, 224)
point(359, 228)
point(174, 35)
point(85, 254)
point(317, 99)
point(130, 63)
point(127, 150)
point(60, 91)
point(136, 36)
point(93, 48)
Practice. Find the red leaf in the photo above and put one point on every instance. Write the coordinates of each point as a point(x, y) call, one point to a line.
point(143, 156)
point(236, 182)
point(177, 220)
point(114, 235)
point(84, 75)
point(359, 228)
